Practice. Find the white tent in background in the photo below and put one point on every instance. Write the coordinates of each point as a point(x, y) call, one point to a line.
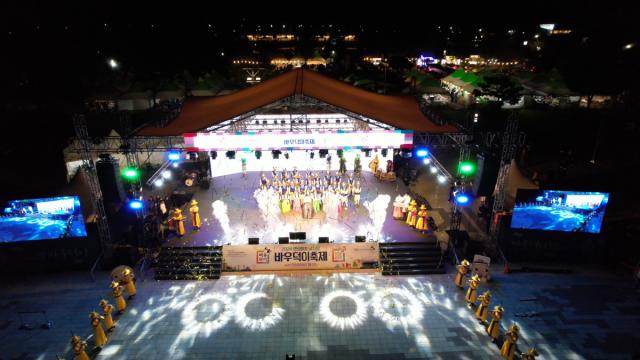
point(516, 180)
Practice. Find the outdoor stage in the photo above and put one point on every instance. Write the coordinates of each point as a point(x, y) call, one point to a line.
point(231, 214)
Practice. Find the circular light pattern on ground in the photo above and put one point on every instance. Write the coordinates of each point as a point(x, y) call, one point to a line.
point(343, 309)
point(397, 307)
point(209, 313)
point(257, 312)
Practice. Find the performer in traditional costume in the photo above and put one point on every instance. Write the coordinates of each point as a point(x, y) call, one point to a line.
point(357, 166)
point(472, 290)
point(389, 166)
point(128, 282)
point(483, 309)
point(317, 201)
point(356, 190)
point(373, 165)
point(178, 222)
point(307, 206)
point(397, 208)
point(79, 348)
point(412, 213)
point(508, 348)
point(195, 214)
point(463, 269)
point(421, 224)
point(264, 183)
point(117, 296)
point(494, 327)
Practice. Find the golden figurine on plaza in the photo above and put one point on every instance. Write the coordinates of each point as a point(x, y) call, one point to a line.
point(494, 327)
point(463, 270)
point(128, 282)
point(508, 348)
point(107, 309)
point(421, 224)
point(99, 336)
point(79, 348)
point(530, 354)
point(195, 214)
point(483, 310)
point(178, 222)
point(473, 288)
point(117, 295)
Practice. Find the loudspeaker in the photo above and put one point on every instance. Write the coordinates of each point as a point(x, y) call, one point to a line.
point(283, 240)
point(254, 241)
point(323, 240)
point(361, 238)
point(486, 175)
point(108, 171)
point(298, 235)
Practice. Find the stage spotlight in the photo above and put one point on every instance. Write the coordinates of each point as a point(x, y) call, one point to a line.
point(174, 156)
point(258, 154)
point(466, 168)
point(384, 152)
point(426, 161)
point(442, 179)
point(135, 204)
point(158, 182)
point(367, 152)
point(130, 173)
point(175, 164)
point(213, 154)
point(462, 198)
point(312, 154)
point(433, 169)
point(323, 153)
point(422, 153)
point(231, 154)
point(286, 155)
point(275, 154)
point(166, 174)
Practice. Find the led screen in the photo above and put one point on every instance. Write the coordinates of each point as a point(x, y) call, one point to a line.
point(555, 210)
point(39, 219)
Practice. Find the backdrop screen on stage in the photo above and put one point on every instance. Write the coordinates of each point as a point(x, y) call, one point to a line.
point(40, 219)
point(556, 210)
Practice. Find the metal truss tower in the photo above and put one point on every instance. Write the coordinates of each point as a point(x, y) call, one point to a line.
point(83, 148)
point(510, 141)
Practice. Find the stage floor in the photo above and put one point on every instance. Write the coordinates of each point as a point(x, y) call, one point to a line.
point(238, 216)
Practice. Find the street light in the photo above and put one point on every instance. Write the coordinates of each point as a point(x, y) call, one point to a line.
point(113, 63)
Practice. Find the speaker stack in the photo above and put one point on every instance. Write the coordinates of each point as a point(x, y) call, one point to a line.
point(108, 171)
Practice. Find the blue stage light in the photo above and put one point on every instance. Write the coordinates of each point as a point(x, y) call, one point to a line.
point(135, 204)
point(174, 156)
point(462, 199)
point(422, 153)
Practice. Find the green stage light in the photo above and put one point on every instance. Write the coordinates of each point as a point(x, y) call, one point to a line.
point(131, 173)
point(466, 168)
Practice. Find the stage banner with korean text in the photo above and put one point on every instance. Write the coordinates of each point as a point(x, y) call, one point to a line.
point(272, 257)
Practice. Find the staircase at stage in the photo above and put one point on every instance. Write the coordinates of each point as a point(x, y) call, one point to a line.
point(189, 263)
point(411, 258)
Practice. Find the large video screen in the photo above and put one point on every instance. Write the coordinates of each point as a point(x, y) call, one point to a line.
point(555, 210)
point(40, 219)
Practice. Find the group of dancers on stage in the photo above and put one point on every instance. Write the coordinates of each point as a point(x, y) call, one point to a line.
point(311, 193)
point(405, 208)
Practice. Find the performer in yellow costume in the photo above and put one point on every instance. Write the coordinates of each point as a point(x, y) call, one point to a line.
point(494, 327)
point(508, 348)
point(117, 295)
point(107, 309)
point(78, 346)
point(373, 165)
point(463, 269)
point(421, 224)
point(530, 354)
point(411, 213)
point(98, 333)
point(483, 309)
point(178, 220)
point(127, 281)
point(472, 290)
point(195, 214)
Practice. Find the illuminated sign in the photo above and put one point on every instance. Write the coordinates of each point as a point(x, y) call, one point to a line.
point(239, 141)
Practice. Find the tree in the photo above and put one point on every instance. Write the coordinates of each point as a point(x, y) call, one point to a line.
point(500, 87)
